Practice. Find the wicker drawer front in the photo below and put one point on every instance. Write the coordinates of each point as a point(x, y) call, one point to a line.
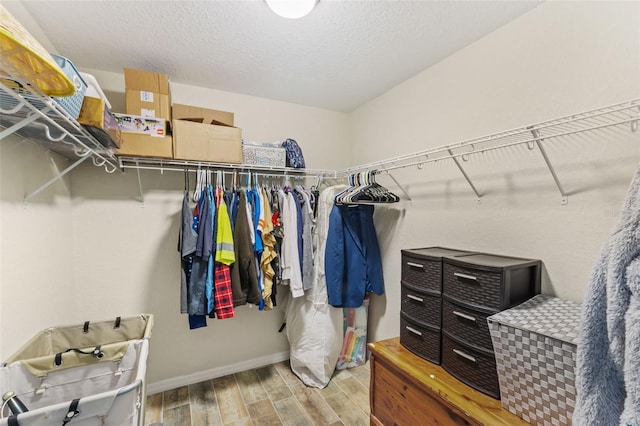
point(466, 324)
point(473, 367)
point(422, 341)
point(421, 307)
point(476, 287)
point(422, 273)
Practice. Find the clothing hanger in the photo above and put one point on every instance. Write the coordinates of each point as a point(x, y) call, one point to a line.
point(200, 177)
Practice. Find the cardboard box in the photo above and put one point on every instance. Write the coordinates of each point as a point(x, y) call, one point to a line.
point(202, 115)
point(138, 145)
point(146, 81)
point(100, 122)
point(147, 94)
point(147, 104)
point(156, 127)
point(207, 142)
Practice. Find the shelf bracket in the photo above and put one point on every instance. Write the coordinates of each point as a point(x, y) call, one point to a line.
point(53, 179)
point(140, 184)
point(398, 184)
point(19, 125)
point(538, 141)
point(455, 160)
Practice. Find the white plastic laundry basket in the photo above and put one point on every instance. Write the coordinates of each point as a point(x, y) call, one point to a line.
point(103, 364)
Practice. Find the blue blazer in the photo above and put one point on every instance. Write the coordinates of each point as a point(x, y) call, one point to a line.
point(352, 258)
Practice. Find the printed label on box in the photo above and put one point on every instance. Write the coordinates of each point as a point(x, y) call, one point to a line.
point(146, 96)
point(138, 124)
point(148, 112)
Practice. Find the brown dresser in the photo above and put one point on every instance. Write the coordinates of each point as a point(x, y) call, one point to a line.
point(407, 390)
point(476, 286)
point(421, 300)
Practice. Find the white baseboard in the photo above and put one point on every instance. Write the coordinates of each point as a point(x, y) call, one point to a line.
point(189, 379)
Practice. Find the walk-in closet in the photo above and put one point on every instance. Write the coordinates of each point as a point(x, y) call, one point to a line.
point(376, 212)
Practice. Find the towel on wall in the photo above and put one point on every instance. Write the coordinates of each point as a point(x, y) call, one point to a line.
point(608, 358)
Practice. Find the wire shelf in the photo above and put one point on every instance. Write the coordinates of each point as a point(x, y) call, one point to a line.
point(38, 118)
point(27, 112)
point(625, 113)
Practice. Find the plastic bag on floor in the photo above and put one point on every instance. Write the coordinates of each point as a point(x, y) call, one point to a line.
point(354, 345)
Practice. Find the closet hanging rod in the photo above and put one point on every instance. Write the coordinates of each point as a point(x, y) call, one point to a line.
point(608, 116)
point(225, 172)
point(182, 165)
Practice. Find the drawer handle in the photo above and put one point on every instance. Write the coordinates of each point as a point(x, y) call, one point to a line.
point(465, 316)
point(416, 298)
point(415, 265)
point(465, 276)
point(413, 330)
point(464, 355)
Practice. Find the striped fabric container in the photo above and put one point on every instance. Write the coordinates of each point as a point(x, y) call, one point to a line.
point(535, 347)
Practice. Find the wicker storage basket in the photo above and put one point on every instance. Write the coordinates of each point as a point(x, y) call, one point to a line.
point(72, 104)
point(535, 347)
point(103, 364)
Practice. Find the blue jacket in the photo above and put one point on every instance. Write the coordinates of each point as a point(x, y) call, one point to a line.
point(352, 258)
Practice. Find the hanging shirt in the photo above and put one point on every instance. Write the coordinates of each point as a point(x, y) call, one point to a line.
point(233, 210)
point(244, 282)
point(249, 218)
point(210, 289)
point(290, 255)
point(353, 265)
point(268, 254)
point(224, 237)
point(299, 227)
point(187, 240)
point(258, 216)
point(307, 244)
point(225, 256)
point(197, 303)
point(257, 212)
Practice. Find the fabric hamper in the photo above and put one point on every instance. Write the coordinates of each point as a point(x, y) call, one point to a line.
point(535, 348)
point(103, 364)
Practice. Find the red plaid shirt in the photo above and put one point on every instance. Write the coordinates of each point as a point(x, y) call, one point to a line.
point(223, 297)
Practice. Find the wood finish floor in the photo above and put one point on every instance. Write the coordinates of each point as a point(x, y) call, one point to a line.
point(270, 395)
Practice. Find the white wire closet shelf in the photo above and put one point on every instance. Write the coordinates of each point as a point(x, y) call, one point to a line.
point(40, 119)
point(36, 117)
point(617, 115)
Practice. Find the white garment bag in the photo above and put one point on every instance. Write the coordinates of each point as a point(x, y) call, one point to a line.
point(314, 328)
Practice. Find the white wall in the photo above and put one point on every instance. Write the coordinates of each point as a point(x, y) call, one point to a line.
point(36, 263)
point(125, 254)
point(560, 58)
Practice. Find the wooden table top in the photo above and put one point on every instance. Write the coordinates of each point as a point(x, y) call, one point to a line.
point(434, 380)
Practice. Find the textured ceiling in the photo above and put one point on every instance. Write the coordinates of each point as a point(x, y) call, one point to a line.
point(340, 56)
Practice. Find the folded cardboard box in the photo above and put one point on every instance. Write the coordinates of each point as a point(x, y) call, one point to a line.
point(202, 115)
point(194, 138)
point(144, 125)
point(100, 122)
point(147, 93)
point(139, 145)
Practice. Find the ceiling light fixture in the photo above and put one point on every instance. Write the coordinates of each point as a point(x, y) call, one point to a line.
point(291, 9)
